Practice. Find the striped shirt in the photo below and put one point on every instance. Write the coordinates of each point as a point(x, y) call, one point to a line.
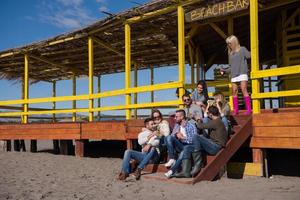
point(190, 130)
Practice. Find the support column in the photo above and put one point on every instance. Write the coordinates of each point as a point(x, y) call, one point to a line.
point(127, 68)
point(33, 143)
point(99, 100)
point(55, 142)
point(135, 85)
point(191, 55)
point(91, 73)
point(197, 65)
point(127, 75)
point(254, 52)
point(181, 51)
point(74, 94)
point(152, 82)
point(257, 153)
point(230, 27)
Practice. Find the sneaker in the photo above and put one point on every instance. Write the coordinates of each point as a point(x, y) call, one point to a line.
point(169, 174)
point(122, 176)
point(170, 163)
point(137, 174)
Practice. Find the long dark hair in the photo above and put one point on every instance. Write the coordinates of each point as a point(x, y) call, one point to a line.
point(156, 111)
point(204, 86)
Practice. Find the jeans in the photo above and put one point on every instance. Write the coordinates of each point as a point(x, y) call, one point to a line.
point(173, 145)
point(184, 154)
point(142, 157)
point(225, 122)
point(201, 143)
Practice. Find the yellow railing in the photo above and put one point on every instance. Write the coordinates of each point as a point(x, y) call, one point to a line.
point(289, 70)
point(256, 74)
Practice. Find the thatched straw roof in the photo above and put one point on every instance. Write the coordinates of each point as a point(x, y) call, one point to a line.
point(154, 43)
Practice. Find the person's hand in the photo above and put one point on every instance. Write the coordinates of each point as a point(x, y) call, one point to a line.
point(179, 135)
point(146, 148)
point(151, 135)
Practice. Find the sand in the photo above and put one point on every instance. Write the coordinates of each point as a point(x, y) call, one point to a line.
point(26, 175)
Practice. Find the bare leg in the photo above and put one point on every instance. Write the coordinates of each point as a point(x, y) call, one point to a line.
point(246, 97)
point(235, 99)
point(244, 88)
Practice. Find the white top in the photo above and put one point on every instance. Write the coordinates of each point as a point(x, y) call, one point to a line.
point(182, 130)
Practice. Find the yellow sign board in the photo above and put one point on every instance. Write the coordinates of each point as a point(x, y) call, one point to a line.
point(219, 9)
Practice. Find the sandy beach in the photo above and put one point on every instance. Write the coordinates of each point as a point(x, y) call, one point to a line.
point(26, 175)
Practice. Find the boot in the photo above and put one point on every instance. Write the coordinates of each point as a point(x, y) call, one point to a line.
point(235, 105)
point(186, 169)
point(122, 176)
point(197, 158)
point(248, 105)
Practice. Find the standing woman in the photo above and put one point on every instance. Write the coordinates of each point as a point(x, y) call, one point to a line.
point(238, 56)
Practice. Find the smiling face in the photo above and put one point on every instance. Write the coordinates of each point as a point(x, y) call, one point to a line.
point(150, 125)
point(232, 43)
point(157, 117)
point(187, 100)
point(199, 88)
point(179, 116)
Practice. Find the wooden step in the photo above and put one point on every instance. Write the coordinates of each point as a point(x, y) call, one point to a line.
point(243, 130)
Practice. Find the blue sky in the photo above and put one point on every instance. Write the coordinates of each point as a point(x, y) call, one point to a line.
point(24, 22)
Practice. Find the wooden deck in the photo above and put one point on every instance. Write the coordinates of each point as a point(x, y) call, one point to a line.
point(269, 129)
point(279, 129)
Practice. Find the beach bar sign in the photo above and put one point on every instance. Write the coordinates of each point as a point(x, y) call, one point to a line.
point(218, 9)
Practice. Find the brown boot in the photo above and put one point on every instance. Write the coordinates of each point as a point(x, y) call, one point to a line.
point(137, 174)
point(122, 176)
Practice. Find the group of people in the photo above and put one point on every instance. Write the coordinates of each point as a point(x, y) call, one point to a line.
point(201, 127)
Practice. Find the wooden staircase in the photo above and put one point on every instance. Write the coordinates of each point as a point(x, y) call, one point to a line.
point(242, 130)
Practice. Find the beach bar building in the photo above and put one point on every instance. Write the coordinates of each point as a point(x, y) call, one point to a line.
point(187, 33)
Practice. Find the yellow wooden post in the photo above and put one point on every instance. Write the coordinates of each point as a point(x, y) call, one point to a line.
point(127, 69)
point(152, 81)
point(74, 94)
point(135, 85)
point(99, 99)
point(254, 52)
point(53, 103)
point(91, 73)
point(181, 51)
point(25, 87)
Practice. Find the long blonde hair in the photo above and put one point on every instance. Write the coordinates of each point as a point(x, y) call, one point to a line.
point(223, 102)
point(235, 41)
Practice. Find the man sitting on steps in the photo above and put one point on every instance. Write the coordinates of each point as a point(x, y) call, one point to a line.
point(149, 141)
point(212, 143)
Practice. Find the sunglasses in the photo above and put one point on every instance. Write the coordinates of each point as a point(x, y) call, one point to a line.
point(186, 100)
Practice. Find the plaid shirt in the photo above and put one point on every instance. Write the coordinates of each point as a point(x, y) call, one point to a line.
point(190, 130)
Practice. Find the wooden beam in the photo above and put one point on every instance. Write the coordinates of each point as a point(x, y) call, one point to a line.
point(111, 48)
point(59, 66)
point(291, 18)
point(218, 30)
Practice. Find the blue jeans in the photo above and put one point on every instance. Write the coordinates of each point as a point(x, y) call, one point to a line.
point(173, 145)
point(225, 122)
point(202, 143)
point(141, 157)
point(184, 154)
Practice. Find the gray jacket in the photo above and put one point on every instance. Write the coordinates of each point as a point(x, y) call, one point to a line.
point(238, 62)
